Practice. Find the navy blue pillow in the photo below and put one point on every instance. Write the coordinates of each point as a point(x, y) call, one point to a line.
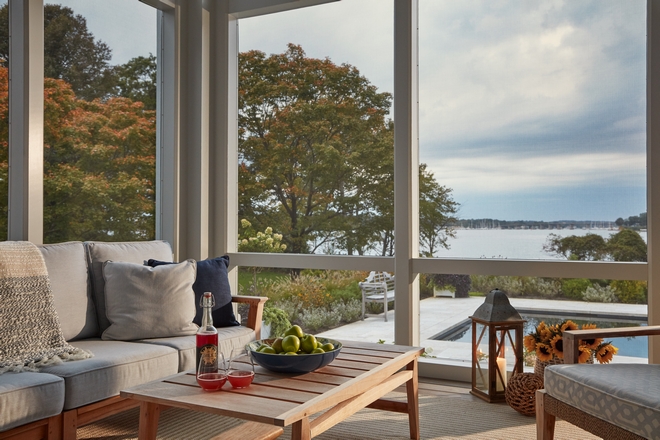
point(211, 277)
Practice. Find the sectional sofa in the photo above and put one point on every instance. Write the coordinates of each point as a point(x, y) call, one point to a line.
point(54, 401)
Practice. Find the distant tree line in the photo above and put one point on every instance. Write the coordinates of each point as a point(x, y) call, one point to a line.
point(634, 221)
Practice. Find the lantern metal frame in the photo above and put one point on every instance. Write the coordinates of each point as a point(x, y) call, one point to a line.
point(503, 323)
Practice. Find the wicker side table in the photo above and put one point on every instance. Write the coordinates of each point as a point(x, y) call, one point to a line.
point(520, 392)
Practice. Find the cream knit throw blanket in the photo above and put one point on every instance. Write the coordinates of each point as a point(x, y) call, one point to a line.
point(30, 332)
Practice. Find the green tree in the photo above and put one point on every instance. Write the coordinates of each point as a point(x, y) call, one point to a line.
point(136, 80)
point(317, 157)
point(70, 52)
point(626, 245)
point(436, 209)
point(589, 247)
point(306, 128)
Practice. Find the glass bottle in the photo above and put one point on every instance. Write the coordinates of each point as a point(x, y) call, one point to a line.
point(207, 335)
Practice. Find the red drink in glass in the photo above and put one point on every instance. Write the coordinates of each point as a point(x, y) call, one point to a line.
point(240, 378)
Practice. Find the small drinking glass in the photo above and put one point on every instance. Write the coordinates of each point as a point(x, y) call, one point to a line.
point(241, 368)
point(211, 376)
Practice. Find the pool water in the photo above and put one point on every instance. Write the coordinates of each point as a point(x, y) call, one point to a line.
point(628, 346)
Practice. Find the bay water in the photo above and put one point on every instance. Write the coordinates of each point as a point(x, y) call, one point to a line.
point(517, 244)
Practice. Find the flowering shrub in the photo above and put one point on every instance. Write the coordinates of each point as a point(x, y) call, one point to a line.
point(547, 342)
point(250, 240)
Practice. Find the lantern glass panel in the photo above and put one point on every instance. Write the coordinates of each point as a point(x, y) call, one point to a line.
point(481, 360)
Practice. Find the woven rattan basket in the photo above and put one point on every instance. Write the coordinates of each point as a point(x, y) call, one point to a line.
point(539, 366)
point(520, 392)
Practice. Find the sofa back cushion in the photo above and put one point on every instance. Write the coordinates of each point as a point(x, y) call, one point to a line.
point(149, 302)
point(129, 252)
point(69, 281)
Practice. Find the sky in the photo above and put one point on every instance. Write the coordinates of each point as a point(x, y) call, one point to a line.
point(529, 110)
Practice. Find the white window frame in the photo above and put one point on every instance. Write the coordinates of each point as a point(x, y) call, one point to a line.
point(197, 185)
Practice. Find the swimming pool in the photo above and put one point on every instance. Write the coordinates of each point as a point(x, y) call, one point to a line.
point(628, 346)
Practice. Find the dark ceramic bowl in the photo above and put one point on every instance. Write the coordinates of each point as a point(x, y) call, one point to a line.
point(301, 363)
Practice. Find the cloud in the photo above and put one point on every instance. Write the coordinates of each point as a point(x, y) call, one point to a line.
point(357, 32)
point(523, 104)
point(513, 174)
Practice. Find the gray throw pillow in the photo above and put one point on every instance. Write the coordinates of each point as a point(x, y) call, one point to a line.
point(149, 302)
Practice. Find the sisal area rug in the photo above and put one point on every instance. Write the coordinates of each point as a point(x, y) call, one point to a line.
point(459, 416)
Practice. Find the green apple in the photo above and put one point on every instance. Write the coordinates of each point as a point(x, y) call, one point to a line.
point(277, 345)
point(291, 343)
point(318, 350)
point(308, 343)
point(328, 347)
point(294, 330)
point(269, 350)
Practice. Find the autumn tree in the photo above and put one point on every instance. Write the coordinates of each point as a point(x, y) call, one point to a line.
point(309, 130)
point(317, 157)
point(99, 168)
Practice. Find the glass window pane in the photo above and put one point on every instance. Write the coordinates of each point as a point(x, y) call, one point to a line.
point(533, 114)
point(99, 120)
point(316, 145)
point(449, 300)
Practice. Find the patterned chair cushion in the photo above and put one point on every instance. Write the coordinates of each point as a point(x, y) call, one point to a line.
point(627, 395)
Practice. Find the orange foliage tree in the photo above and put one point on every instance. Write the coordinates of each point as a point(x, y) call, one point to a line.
point(99, 166)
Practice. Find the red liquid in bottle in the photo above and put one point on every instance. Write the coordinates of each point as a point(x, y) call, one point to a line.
point(207, 343)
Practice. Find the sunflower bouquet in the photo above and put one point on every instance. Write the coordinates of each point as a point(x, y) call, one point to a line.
point(547, 343)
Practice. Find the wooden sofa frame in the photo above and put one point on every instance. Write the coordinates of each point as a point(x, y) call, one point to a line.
point(63, 426)
point(548, 408)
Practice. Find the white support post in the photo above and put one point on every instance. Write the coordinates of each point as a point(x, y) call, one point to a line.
point(26, 118)
point(193, 221)
point(406, 171)
point(167, 125)
point(224, 136)
point(653, 164)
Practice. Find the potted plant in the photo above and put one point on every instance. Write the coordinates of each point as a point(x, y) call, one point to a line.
point(275, 322)
point(546, 342)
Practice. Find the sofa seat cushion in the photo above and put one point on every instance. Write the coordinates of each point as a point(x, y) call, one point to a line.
point(228, 338)
point(28, 397)
point(116, 365)
point(623, 394)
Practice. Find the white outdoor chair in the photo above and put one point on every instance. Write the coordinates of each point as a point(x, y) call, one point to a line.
point(378, 288)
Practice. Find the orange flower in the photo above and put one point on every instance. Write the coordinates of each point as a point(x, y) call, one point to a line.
point(530, 342)
point(568, 325)
point(543, 352)
point(585, 354)
point(605, 353)
point(592, 343)
point(557, 344)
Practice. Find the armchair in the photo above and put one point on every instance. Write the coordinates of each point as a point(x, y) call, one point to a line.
point(617, 401)
point(378, 287)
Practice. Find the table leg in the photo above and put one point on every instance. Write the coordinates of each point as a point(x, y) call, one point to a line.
point(149, 415)
point(301, 430)
point(412, 389)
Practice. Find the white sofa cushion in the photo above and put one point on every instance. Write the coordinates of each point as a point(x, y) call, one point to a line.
point(130, 252)
point(149, 302)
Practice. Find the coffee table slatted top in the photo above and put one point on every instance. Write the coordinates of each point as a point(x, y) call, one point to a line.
point(283, 399)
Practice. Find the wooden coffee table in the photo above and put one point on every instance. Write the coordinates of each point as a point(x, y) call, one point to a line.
point(359, 377)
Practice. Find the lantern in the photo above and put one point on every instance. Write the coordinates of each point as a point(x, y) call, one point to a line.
point(497, 341)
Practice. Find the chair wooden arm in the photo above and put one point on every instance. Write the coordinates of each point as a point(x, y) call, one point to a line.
point(256, 304)
point(572, 337)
